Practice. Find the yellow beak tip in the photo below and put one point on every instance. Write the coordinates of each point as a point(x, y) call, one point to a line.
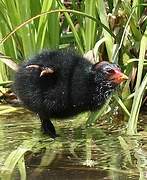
point(125, 77)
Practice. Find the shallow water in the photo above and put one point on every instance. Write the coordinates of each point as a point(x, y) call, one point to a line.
point(99, 152)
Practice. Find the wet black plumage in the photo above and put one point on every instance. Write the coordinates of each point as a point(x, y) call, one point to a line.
point(61, 84)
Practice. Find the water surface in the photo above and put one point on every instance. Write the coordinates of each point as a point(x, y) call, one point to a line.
point(98, 152)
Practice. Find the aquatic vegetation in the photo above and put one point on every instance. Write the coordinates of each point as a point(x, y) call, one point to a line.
point(107, 30)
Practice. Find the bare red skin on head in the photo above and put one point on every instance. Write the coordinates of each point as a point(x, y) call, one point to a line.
point(118, 77)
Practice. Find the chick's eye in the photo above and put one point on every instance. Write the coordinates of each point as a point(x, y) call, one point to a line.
point(111, 71)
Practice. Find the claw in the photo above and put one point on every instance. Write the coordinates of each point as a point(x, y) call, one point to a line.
point(33, 66)
point(46, 71)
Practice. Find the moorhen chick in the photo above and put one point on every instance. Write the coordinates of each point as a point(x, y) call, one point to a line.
point(60, 84)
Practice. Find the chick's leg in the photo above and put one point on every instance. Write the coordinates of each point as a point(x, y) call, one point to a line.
point(47, 126)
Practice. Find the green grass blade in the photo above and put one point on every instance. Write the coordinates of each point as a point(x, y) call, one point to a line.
point(42, 26)
point(95, 115)
point(133, 22)
point(26, 34)
point(11, 162)
point(132, 124)
point(53, 28)
point(7, 60)
point(103, 18)
point(119, 101)
point(22, 168)
point(90, 26)
point(139, 89)
point(71, 24)
point(6, 37)
point(143, 48)
point(12, 12)
point(14, 157)
point(139, 9)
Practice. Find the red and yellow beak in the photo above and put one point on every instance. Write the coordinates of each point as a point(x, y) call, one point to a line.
point(118, 77)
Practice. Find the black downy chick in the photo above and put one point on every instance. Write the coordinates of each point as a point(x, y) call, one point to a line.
point(60, 84)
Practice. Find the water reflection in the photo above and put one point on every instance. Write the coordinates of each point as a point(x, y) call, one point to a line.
point(79, 153)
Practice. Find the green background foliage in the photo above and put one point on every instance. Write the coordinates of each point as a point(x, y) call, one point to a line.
point(108, 30)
